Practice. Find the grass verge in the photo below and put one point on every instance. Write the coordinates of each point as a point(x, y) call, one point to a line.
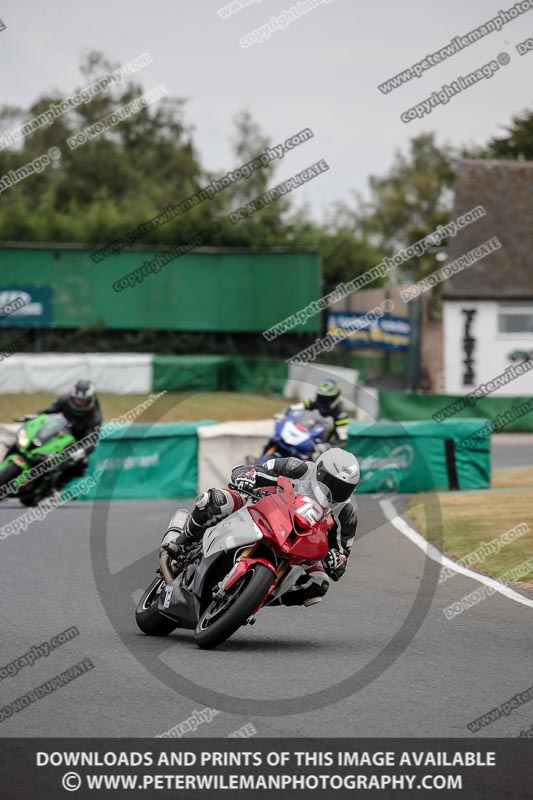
point(471, 518)
point(513, 478)
point(186, 406)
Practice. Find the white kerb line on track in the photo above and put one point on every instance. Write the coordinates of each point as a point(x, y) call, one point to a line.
point(432, 552)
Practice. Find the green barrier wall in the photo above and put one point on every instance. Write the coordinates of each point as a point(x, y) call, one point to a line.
point(219, 373)
point(413, 406)
point(258, 375)
point(419, 456)
point(191, 373)
point(147, 461)
point(161, 460)
point(217, 290)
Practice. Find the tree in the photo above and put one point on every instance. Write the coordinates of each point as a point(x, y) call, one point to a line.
point(345, 254)
point(266, 227)
point(103, 188)
point(409, 202)
point(517, 143)
point(110, 184)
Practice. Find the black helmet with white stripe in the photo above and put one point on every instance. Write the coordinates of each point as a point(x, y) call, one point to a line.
point(339, 471)
point(82, 396)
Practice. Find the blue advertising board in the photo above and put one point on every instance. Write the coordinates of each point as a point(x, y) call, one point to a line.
point(26, 306)
point(384, 333)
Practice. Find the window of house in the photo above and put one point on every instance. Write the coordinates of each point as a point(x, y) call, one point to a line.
point(515, 319)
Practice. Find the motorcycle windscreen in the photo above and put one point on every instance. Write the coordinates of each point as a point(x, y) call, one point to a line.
point(53, 425)
point(317, 491)
point(301, 429)
point(238, 530)
point(310, 420)
point(294, 436)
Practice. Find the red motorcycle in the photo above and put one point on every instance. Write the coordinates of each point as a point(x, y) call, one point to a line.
point(243, 563)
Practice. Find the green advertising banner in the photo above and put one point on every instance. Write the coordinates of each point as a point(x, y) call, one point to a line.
point(204, 290)
point(161, 460)
point(419, 456)
point(147, 462)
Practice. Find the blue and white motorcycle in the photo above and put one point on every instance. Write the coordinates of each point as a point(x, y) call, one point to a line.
point(300, 433)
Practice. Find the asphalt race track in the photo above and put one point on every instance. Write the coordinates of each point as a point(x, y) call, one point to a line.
point(512, 450)
point(376, 658)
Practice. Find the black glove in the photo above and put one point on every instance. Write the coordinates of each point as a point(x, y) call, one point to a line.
point(335, 564)
point(246, 481)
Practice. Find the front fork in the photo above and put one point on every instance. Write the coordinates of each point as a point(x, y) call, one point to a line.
point(248, 551)
point(243, 561)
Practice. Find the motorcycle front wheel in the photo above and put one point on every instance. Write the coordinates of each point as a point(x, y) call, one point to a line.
point(9, 473)
point(223, 617)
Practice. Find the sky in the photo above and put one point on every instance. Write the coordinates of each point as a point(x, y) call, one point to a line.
point(322, 71)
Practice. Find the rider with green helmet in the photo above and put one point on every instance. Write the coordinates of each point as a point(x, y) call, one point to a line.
point(328, 402)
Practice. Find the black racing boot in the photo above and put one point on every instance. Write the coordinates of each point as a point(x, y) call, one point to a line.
point(308, 594)
point(177, 535)
point(185, 529)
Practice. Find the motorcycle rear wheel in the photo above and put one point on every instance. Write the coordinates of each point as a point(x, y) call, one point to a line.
point(223, 617)
point(147, 616)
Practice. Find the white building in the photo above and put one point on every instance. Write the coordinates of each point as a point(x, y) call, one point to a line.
point(488, 306)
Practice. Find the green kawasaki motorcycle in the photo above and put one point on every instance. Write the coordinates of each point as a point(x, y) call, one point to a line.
point(34, 461)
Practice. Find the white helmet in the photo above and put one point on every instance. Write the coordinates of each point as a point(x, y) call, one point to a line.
point(339, 471)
